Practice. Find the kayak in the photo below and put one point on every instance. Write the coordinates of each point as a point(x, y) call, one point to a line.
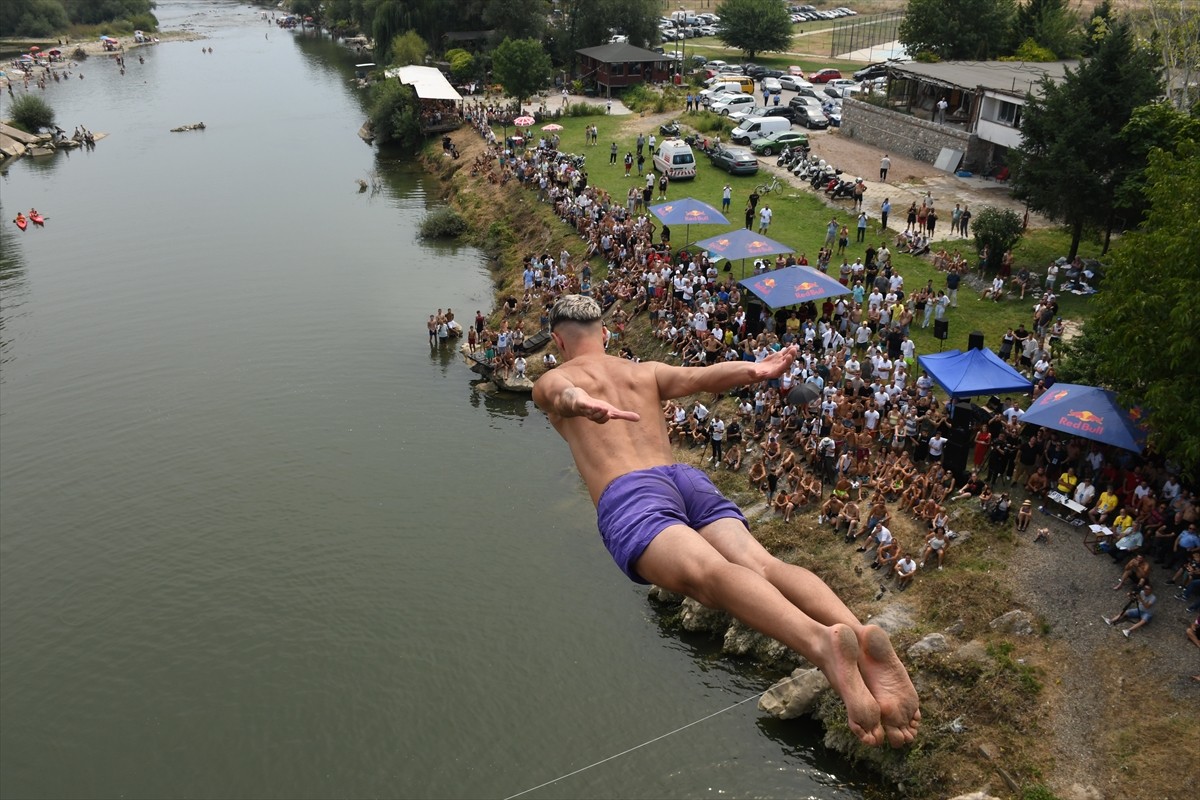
point(36, 218)
point(20, 220)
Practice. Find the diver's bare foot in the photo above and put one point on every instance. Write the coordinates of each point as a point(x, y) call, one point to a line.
point(888, 681)
point(841, 668)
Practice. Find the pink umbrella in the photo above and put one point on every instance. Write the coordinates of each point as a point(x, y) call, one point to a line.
point(553, 126)
point(523, 121)
point(34, 49)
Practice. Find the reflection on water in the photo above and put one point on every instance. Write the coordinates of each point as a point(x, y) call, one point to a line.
point(13, 287)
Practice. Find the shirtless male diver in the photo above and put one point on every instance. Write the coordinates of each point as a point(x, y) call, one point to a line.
point(665, 523)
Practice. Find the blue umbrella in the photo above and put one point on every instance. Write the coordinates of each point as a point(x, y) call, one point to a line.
point(779, 288)
point(688, 211)
point(1088, 412)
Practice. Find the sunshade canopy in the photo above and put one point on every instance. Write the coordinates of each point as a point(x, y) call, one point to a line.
point(973, 373)
point(779, 288)
point(1089, 412)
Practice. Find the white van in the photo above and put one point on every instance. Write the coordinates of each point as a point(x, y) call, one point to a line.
point(758, 127)
point(675, 158)
point(718, 87)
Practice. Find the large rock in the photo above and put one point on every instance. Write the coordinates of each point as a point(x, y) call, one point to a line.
point(933, 643)
point(695, 617)
point(894, 619)
point(1078, 791)
point(976, 796)
point(18, 134)
point(665, 596)
point(743, 641)
point(1016, 622)
point(795, 696)
point(973, 652)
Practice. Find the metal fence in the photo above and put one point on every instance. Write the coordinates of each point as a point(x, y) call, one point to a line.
point(873, 33)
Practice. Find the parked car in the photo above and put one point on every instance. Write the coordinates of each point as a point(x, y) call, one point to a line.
point(775, 143)
point(792, 82)
point(756, 110)
point(872, 72)
point(844, 83)
point(824, 75)
point(772, 85)
point(795, 70)
point(754, 70)
point(810, 116)
point(733, 160)
point(735, 102)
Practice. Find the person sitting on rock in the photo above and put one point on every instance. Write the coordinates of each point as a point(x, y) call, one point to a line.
point(935, 545)
point(1137, 569)
point(783, 504)
point(733, 458)
point(885, 556)
point(1024, 515)
point(1140, 608)
point(905, 569)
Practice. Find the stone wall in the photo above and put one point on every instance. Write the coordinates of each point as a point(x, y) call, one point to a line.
point(906, 135)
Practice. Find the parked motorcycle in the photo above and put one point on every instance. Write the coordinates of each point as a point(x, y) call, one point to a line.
point(669, 128)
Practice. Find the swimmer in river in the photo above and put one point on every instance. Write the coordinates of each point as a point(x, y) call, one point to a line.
point(665, 523)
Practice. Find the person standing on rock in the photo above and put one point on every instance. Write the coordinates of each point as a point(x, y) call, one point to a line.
point(666, 523)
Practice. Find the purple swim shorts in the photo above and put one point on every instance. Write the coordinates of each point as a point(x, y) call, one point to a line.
point(638, 506)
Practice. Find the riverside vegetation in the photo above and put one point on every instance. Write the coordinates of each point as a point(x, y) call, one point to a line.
point(993, 690)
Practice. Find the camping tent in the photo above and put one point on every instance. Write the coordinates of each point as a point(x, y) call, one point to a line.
point(973, 373)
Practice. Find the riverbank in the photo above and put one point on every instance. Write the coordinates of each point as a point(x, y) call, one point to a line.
point(987, 639)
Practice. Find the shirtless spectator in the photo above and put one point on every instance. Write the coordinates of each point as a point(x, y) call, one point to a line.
point(733, 458)
point(783, 504)
point(664, 527)
point(1137, 569)
point(1037, 482)
point(885, 556)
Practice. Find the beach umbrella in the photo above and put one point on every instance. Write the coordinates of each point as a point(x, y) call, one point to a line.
point(742, 244)
point(553, 126)
point(1089, 412)
point(802, 394)
point(688, 212)
point(523, 122)
point(34, 49)
point(55, 52)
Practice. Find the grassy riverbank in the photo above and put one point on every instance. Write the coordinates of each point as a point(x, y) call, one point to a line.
point(992, 689)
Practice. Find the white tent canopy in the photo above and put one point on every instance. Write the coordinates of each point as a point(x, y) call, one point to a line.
point(429, 82)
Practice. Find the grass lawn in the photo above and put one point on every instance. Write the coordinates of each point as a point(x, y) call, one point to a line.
point(800, 219)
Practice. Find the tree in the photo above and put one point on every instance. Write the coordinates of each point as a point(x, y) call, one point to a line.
point(521, 66)
point(462, 64)
point(1156, 126)
point(1150, 353)
point(1069, 163)
point(408, 48)
point(1051, 24)
point(517, 18)
point(395, 114)
point(32, 113)
point(754, 26)
point(998, 230)
point(957, 29)
point(32, 17)
point(1177, 37)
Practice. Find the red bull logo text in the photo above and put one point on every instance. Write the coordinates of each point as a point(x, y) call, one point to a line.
point(695, 216)
point(807, 289)
point(1084, 421)
point(765, 285)
point(1054, 398)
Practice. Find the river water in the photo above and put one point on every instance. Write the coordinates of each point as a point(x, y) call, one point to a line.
point(256, 539)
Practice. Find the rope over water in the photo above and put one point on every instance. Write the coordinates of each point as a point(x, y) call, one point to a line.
point(649, 741)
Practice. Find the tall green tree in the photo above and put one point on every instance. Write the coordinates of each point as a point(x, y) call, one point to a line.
point(395, 114)
point(1051, 24)
point(1158, 126)
point(1151, 354)
point(957, 29)
point(95, 12)
point(521, 66)
point(587, 23)
point(754, 26)
point(996, 230)
point(517, 19)
point(32, 17)
point(1069, 163)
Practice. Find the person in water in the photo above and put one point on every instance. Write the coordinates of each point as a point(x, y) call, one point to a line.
point(666, 523)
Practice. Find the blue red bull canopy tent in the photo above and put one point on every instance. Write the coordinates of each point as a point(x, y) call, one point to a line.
point(688, 212)
point(973, 373)
point(1088, 412)
point(780, 288)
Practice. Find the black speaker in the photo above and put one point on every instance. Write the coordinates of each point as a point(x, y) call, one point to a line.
point(941, 329)
point(975, 340)
point(954, 458)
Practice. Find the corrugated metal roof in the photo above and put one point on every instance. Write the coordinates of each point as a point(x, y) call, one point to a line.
point(429, 82)
point(621, 52)
point(1010, 77)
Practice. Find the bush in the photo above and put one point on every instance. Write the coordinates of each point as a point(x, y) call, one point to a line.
point(997, 229)
point(31, 113)
point(394, 113)
point(443, 223)
point(583, 110)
